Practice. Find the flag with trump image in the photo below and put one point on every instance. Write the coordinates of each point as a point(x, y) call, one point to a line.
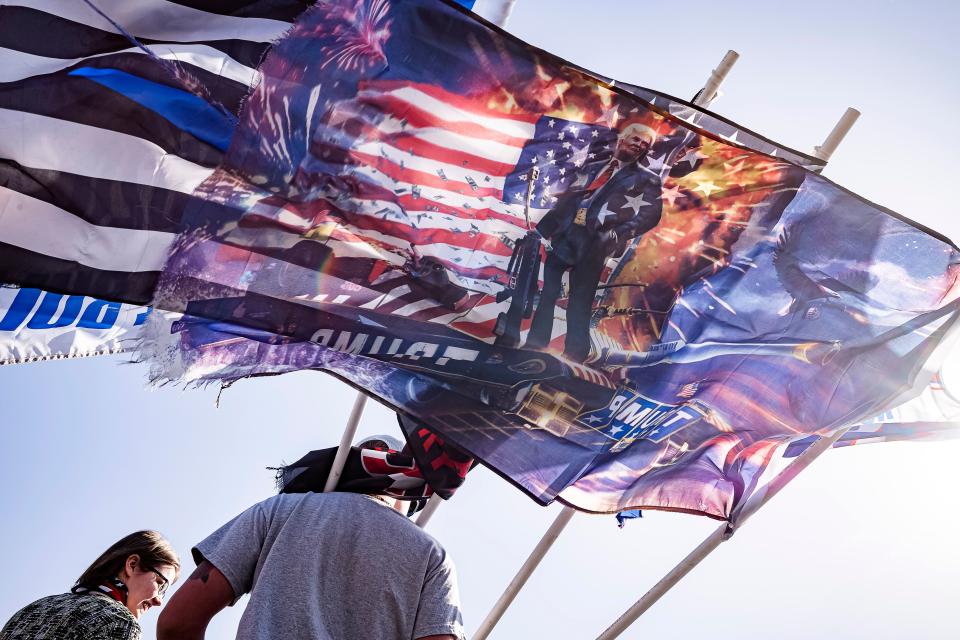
point(610, 300)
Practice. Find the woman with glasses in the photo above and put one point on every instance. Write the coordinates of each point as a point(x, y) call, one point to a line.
point(108, 598)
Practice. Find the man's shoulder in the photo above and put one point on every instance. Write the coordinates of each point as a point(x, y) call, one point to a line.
point(319, 499)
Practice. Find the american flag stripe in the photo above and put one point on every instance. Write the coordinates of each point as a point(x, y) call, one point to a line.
point(391, 226)
point(168, 21)
point(406, 167)
point(430, 169)
point(464, 260)
point(93, 183)
point(76, 240)
point(446, 101)
point(379, 184)
point(103, 202)
point(417, 146)
point(487, 248)
point(479, 228)
point(416, 215)
point(446, 139)
point(423, 111)
point(17, 65)
point(41, 142)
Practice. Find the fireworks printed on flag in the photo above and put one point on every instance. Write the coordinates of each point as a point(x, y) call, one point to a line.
point(359, 37)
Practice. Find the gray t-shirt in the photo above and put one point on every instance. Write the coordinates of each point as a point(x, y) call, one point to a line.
point(334, 566)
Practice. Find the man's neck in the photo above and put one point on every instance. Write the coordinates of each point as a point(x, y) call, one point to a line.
point(399, 506)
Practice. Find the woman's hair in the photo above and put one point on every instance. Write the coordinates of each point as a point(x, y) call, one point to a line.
point(152, 548)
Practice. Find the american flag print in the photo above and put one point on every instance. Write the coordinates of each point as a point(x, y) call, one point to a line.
point(408, 186)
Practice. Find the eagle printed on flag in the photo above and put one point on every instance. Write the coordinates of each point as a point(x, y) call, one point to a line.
point(600, 298)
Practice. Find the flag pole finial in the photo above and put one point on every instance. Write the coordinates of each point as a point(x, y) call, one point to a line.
point(709, 91)
point(840, 130)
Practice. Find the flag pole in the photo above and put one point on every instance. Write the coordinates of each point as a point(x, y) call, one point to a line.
point(506, 599)
point(346, 441)
point(840, 130)
point(709, 92)
point(719, 535)
point(428, 510)
point(761, 497)
point(499, 13)
point(563, 518)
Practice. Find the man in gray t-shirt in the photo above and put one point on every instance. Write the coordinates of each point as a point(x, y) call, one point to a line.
point(324, 566)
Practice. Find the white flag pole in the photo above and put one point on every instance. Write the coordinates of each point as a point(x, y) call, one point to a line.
point(346, 441)
point(428, 510)
point(506, 599)
point(551, 535)
point(840, 130)
point(709, 92)
point(496, 11)
point(719, 535)
point(761, 497)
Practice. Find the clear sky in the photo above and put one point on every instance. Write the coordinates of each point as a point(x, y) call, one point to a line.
point(861, 545)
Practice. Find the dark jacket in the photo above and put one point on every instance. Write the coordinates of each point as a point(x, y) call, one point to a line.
point(72, 616)
point(627, 206)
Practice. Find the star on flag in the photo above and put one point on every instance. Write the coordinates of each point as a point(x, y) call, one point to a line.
point(635, 203)
point(671, 195)
point(706, 188)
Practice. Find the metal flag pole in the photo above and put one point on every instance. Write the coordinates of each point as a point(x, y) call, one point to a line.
point(346, 441)
point(563, 518)
point(761, 497)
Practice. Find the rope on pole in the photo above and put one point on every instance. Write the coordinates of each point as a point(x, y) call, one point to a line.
point(346, 441)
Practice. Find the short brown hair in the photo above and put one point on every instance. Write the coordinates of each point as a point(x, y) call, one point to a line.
point(153, 549)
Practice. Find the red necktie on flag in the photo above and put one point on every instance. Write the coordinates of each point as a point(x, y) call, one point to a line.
point(604, 175)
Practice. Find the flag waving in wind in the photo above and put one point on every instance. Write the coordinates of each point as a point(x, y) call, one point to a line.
point(593, 294)
point(102, 145)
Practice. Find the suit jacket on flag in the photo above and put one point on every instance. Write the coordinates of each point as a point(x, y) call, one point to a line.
point(625, 207)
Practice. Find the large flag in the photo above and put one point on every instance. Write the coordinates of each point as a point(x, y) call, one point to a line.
point(103, 140)
point(593, 295)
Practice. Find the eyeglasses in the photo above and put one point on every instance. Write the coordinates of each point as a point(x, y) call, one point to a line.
point(164, 583)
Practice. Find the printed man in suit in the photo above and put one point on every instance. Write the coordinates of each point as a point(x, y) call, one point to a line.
point(586, 227)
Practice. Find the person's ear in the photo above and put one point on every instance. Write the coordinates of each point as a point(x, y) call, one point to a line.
point(131, 564)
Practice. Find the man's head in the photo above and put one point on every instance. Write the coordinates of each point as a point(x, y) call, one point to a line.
point(388, 443)
point(634, 142)
point(382, 442)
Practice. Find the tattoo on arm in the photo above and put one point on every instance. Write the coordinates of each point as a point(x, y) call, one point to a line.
point(202, 573)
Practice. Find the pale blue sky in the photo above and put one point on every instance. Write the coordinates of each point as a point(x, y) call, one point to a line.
point(862, 545)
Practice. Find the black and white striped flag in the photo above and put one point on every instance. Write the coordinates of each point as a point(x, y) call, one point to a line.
point(100, 145)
